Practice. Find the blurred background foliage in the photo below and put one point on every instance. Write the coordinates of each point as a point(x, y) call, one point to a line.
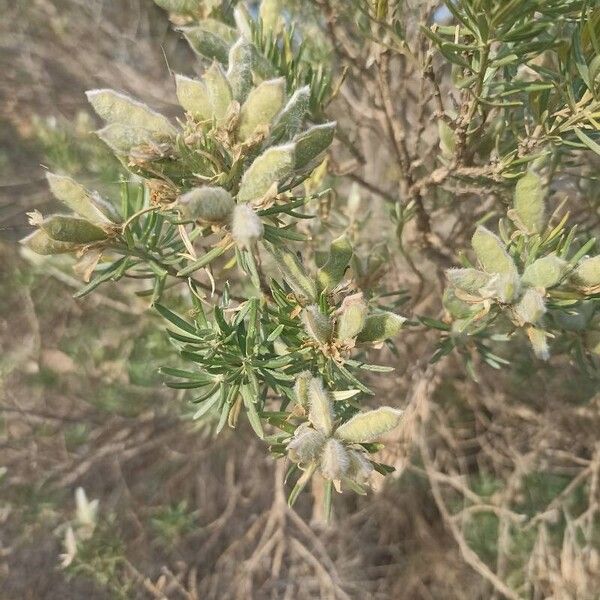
point(496, 490)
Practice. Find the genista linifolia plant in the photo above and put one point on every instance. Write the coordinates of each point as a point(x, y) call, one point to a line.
point(246, 211)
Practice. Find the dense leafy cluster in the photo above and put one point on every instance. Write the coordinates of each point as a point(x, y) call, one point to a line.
point(218, 200)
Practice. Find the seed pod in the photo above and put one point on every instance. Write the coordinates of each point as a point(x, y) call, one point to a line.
point(381, 326)
point(469, 280)
point(295, 276)
point(290, 119)
point(545, 272)
point(246, 226)
point(306, 445)
point(531, 307)
point(503, 287)
point(41, 243)
point(587, 273)
point(529, 202)
point(211, 39)
point(334, 460)
point(369, 426)
point(209, 204)
point(455, 306)
point(332, 272)
point(360, 468)
point(193, 97)
point(320, 412)
point(219, 91)
point(351, 320)
point(71, 229)
point(491, 252)
point(301, 388)
point(76, 197)
point(272, 167)
point(316, 324)
point(115, 107)
point(312, 142)
point(239, 71)
point(122, 139)
point(539, 342)
point(263, 103)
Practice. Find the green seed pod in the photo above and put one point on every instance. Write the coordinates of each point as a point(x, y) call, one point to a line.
point(209, 204)
point(491, 252)
point(121, 139)
point(545, 272)
point(263, 103)
point(317, 325)
point(239, 71)
point(539, 342)
point(272, 167)
point(219, 91)
point(41, 243)
point(531, 307)
point(246, 226)
point(289, 121)
point(503, 287)
point(312, 142)
point(369, 426)
point(193, 97)
point(320, 412)
point(360, 468)
point(116, 108)
point(301, 388)
point(381, 326)
point(63, 228)
point(334, 460)
point(587, 273)
point(76, 197)
point(295, 276)
point(306, 446)
point(211, 39)
point(529, 202)
point(469, 280)
point(351, 320)
point(456, 307)
point(340, 253)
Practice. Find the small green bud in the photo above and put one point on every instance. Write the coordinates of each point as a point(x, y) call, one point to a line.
point(209, 204)
point(71, 229)
point(263, 103)
point(531, 307)
point(491, 252)
point(301, 387)
point(41, 243)
point(193, 97)
point(317, 325)
point(340, 253)
point(381, 326)
point(545, 272)
point(320, 412)
point(117, 108)
point(211, 39)
point(246, 226)
point(529, 202)
point(272, 167)
point(335, 460)
point(352, 319)
point(587, 273)
point(369, 426)
point(312, 142)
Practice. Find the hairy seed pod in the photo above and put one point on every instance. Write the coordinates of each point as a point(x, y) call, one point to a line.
point(351, 320)
point(41, 243)
point(335, 460)
point(301, 387)
point(529, 202)
point(295, 276)
point(317, 325)
point(209, 204)
point(246, 226)
point(531, 306)
point(381, 326)
point(491, 252)
point(545, 272)
point(587, 273)
point(263, 103)
point(360, 468)
point(193, 97)
point(71, 229)
point(312, 142)
point(469, 280)
point(306, 445)
point(320, 412)
point(369, 426)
